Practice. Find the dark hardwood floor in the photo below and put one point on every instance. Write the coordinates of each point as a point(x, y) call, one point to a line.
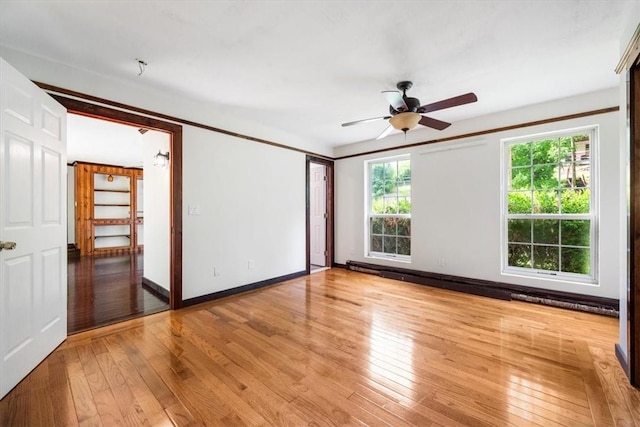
point(108, 289)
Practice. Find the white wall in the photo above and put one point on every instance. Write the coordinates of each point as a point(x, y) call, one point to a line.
point(156, 201)
point(251, 203)
point(71, 204)
point(456, 199)
point(630, 26)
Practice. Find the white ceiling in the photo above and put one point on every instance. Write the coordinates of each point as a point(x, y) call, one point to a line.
point(306, 67)
point(100, 141)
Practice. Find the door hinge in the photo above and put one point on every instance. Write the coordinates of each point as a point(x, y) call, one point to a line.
point(324, 178)
point(326, 253)
point(326, 215)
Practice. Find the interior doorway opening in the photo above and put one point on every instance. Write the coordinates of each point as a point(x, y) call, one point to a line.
point(319, 214)
point(118, 229)
point(174, 131)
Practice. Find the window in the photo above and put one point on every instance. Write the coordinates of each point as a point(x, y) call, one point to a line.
point(549, 221)
point(389, 208)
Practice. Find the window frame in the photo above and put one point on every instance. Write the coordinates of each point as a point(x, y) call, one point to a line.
point(592, 216)
point(368, 214)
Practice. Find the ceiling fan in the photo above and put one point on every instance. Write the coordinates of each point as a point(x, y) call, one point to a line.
point(406, 113)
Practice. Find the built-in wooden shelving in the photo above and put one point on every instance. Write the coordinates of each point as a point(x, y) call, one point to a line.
point(109, 213)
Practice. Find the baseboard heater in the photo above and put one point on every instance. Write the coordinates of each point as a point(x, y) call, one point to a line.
point(498, 290)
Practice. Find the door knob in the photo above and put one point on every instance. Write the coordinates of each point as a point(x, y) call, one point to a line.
point(7, 245)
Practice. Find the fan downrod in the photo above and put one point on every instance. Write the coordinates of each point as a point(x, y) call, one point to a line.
point(404, 86)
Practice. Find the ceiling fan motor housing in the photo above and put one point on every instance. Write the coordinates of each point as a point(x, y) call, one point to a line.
point(412, 106)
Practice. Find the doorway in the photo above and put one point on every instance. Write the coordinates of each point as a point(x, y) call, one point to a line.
point(118, 222)
point(174, 131)
point(319, 214)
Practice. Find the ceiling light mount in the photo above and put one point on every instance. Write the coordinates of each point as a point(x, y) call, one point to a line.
point(404, 86)
point(142, 65)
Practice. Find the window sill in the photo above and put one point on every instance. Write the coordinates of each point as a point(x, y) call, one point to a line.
point(586, 281)
point(401, 259)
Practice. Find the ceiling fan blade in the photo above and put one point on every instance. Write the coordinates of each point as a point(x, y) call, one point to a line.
point(385, 132)
point(433, 123)
point(394, 98)
point(366, 121)
point(467, 98)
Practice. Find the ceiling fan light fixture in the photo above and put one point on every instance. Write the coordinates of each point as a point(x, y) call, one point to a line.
point(405, 121)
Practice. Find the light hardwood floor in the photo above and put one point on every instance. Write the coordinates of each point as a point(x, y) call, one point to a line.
point(336, 348)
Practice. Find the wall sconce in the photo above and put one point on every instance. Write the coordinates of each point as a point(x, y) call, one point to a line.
point(161, 159)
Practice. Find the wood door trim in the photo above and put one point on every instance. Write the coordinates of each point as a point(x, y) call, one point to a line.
point(175, 131)
point(633, 297)
point(330, 257)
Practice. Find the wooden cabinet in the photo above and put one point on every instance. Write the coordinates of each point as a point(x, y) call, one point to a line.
point(109, 209)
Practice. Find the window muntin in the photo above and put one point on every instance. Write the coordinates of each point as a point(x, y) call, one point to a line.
point(549, 221)
point(389, 208)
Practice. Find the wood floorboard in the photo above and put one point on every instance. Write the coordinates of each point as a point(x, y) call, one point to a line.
point(108, 289)
point(331, 349)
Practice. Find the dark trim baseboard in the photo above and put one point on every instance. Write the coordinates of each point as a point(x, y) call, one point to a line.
point(240, 289)
point(155, 289)
point(622, 360)
point(608, 306)
point(336, 265)
point(450, 285)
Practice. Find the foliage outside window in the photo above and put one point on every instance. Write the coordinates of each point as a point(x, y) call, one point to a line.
point(550, 210)
point(389, 208)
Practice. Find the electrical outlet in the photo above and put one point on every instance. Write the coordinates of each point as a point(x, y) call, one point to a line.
point(193, 210)
point(250, 264)
point(216, 271)
point(441, 262)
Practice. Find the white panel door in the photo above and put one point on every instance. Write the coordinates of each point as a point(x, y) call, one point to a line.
point(33, 214)
point(318, 218)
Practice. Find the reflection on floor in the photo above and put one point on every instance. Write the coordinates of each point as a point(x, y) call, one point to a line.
point(315, 268)
point(104, 290)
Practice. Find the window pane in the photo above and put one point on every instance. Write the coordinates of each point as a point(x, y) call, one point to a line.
point(390, 226)
point(521, 154)
point(546, 258)
point(519, 255)
point(389, 246)
point(576, 232)
point(576, 201)
point(404, 227)
point(519, 230)
point(404, 205)
point(376, 244)
point(519, 202)
point(520, 179)
point(546, 231)
point(545, 176)
point(576, 260)
point(546, 201)
point(390, 205)
point(575, 174)
point(583, 146)
point(377, 205)
point(545, 152)
point(404, 246)
point(376, 226)
point(404, 172)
